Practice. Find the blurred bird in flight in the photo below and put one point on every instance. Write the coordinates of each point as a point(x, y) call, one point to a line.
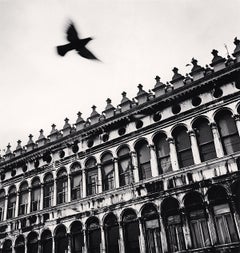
point(76, 44)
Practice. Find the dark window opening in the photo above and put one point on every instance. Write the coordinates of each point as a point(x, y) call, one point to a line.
point(143, 155)
point(125, 166)
point(183, 146)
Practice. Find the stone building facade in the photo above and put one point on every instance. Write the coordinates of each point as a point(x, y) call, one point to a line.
point(159, 173)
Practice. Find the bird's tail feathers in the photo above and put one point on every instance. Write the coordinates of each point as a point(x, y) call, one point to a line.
point(62, 50)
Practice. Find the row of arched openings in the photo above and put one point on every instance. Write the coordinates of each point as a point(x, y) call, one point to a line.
point(229, 138)
point(196, 216)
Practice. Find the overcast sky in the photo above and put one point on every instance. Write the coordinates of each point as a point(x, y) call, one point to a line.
point(135, 40)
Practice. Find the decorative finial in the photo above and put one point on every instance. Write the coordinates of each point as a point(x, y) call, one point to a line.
point(175, 70)
point(140, 87)
point(124, 94)
point(157, 78)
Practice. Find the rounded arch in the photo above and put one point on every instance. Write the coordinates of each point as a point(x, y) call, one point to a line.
point(35, 181)
point(149, 209)
point(107, 153)
point(60, 230)
point(123, 146)
point(177, 126)
point(217, 193)
point(47, 177)
point(75, 226)
point(92, 220)
point(90, 162)
point(198, 119)
point(169, 206)
point(23, 185)
point(158, 134)
point(12, 189)
point(61, 240)
point(46, 234)
point(128, 213)
point(75, 166)
point(61, 172)
point(222, 110)
point(109, 218)
point(193, 199)
point(140, 141)
point(19, 239)
point(32, 236)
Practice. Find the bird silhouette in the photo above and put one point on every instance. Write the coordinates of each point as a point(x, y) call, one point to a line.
point(76, 44)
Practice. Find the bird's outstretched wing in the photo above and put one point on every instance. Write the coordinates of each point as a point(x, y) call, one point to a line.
point(72, 34)
point(84, 52)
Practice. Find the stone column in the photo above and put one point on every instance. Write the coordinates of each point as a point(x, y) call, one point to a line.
point(194, 145)
point(5, 208)
point(116, 173)
point(211, 226)
point(186, 230)
point(69, 237)
point(153, 161)
point(216, 139)
point(173, 154)
point(85, 241)
point(121, 238)
point(135, 166)
point(55, 192)
point(17, 205)
point(84, 183)
point(69, 188)
point(163, 236)
point(237, 120)
point(53, 244)
point(100, 184)
point(41, 197)
point(141, 237)
point(29, 200)
point(103, 246)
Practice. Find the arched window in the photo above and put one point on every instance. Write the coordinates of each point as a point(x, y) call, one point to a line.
point(35, 194)
point(152, 229)
point(32, 243)
point(124, 166)
point(143, 155)
point(7, 246)
point(197, 220)
point(107, 164)
point(111, 229)
point(46, 242)
point(2, 204)
point(12, 194)
point(48, 191)
point(228, 132)
point(131, 231)
point(93, 235)
point(183, 146)
point(20, 244)
point(223, 218)
point(92, 176)
point(61, 240)
point(173, 224)
point(23, 198)
point(163, 153)
point(204, 139)
point(77, 239)
point(62, 186)
point(76, 181)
